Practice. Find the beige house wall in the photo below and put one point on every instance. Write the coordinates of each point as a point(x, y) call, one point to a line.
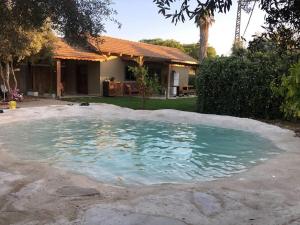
point(113, 67)
point(183, 74)
point(94, 78)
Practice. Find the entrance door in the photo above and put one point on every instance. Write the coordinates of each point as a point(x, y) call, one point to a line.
point(82, 79)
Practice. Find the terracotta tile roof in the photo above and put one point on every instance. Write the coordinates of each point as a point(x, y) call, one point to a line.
point(130, 48)
point(63, 50)
point(115, 46)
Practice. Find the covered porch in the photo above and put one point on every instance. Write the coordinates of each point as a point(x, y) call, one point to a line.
point(77, 77)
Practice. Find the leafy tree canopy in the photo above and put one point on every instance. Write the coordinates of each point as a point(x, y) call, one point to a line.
point(190, 49)
point(169, 43)
point(282, 23)
point(73, 18)
point(282, 19)
point(191, 10)
point(290, 91)
point(26, 27)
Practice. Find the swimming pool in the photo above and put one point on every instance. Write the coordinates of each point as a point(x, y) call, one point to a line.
point(137, 152)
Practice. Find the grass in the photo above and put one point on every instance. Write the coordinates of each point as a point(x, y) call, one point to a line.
point(183, 104)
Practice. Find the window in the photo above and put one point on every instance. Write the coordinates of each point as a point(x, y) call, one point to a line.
point(155, 72)
point(129, 76)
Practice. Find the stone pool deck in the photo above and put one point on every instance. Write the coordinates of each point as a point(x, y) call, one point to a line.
point(32, 193)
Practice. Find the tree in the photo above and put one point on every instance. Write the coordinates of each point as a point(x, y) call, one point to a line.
point(261, 44)
point(168, 43)
point(146, 83)
point(203, 15)
point(204, 23)
point(238, 49)
point(211, 52)
point(283, 17)
point(25, 27)
point(18, 46)
point(192, 11)
point(290, 91)
point(282, 23)
point(191, 49)
point(75, 19)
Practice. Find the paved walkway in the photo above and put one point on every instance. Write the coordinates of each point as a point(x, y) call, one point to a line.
point(37, 102)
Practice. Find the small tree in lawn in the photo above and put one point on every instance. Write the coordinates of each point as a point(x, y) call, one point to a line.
point(147, 84)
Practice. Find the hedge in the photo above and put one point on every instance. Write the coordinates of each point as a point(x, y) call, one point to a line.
point(241, 86)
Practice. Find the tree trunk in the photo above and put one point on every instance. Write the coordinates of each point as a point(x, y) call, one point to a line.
point(7, 78)
point(143, 97)
point(204, 23)
point(14, 75)
point(1, 74)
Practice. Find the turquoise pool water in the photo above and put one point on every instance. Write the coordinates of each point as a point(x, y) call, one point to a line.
point(137, 152)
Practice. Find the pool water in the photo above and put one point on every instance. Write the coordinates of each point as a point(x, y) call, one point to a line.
point(137, 152)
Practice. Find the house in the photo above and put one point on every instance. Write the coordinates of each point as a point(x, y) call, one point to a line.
point(82, 71)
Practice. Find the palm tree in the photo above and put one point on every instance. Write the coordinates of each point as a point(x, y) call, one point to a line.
point(204, 23)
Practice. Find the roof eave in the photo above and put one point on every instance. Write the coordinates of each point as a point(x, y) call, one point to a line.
point(78, 58)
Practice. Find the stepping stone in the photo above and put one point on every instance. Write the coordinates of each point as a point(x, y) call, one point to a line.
point(102, 216)
point(208, 204)
point(74, 191)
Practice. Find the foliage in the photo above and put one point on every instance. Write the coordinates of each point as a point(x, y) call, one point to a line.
point(289, 89)
point(261, 44)
point(211, 52)
point(191, 49)
point(168, 43)
point(241, 86)
point(282, 23)
point(203, 14)
point(192, 10)
point(26, 28)
point(147, 85)
point(16, 44)
point(238, 49)
point(73, 18)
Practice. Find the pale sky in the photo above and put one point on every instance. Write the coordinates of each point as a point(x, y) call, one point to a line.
point(140, 20)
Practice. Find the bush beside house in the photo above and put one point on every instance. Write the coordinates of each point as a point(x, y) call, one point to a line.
point(241, 85)
point(289, 89)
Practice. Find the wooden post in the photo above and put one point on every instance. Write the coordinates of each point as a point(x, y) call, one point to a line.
point(168, 81)
point(58, 78)
point(100, 79)
point(140, 60)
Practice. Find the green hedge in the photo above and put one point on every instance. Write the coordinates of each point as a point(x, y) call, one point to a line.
point(241, 86)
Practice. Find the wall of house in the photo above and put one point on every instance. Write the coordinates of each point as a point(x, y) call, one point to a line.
point(38, 78)
point(113, 67)
point(183, 74)
point(94, 78)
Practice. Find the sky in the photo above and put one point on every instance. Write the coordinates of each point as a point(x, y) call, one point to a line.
point(140, 20)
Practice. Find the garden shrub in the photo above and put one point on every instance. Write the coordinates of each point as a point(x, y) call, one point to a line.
point(289, 89)
point(241, 85)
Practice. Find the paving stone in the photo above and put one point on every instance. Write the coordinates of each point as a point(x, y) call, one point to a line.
point(74, 191)
point(101, 216)
point(208, 204)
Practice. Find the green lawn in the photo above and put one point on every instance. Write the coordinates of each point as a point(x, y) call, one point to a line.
point(183, 104)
